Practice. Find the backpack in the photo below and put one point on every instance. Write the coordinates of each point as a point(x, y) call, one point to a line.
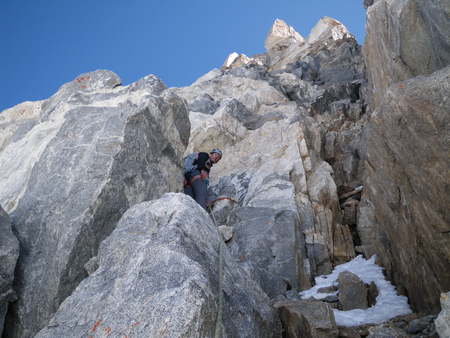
point(189, 163)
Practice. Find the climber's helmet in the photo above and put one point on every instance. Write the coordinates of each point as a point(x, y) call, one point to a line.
point(215, 155)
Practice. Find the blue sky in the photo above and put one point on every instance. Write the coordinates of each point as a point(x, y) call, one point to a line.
point(47, 43)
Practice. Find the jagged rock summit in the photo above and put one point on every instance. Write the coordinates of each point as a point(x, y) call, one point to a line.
point(328, 28)
point(281, 36)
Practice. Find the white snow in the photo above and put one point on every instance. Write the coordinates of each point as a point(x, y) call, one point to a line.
point(388, 303)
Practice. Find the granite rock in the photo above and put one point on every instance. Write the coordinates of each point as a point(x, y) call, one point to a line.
point(9, 253)
point(160, 275)
point(352, 292)
point(403, 214)
point(307, 319)
point(405, 39)
point(98, 149)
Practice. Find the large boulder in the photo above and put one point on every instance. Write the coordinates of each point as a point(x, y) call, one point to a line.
point(9, 253)
point(405, 38)
point(160, 274)
point(307, 319)
point(93, 149)
point(403, 215)
point(352, 292)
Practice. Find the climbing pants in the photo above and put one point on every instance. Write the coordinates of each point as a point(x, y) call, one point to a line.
point(198, 191)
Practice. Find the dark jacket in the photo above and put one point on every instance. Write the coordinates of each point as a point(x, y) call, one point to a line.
point(203, 163)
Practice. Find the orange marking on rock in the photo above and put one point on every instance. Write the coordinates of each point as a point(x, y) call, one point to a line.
point(96, 325)
point(107, 330)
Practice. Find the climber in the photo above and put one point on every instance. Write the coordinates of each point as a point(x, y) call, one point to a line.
point(196, 174)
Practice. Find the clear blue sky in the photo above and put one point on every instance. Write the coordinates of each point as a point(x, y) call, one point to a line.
point(45, 43)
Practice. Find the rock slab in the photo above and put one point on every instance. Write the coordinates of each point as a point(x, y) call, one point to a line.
point(307, 319)
point(159, 276)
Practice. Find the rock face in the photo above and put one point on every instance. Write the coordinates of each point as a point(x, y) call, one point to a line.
point(405, 38)
point(273, 116)
point(403, 216)
point(9, 253)
point(159, 276)
point(382, 332)
point(91, 151)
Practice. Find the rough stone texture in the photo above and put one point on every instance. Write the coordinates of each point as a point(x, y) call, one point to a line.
point(307, 319)
point(372, 294)
point(226, 232)
point(420, 324)
point(267, 186)
point(275, 112)
point(257, 244)
point(352, 292)
point(403, 214)
point(17, 120)
point(328, 29)
point(350, 212)
point(204, 104)
point(405, 38)
point(442, 322)
point(9, 253)
point(386, 332)
point(343, 247)
point(98, 149)
point(280, 37)
point(348, 332)
point(158, 276)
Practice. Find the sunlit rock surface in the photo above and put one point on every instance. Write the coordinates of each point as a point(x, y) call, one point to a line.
point(92, 150)
point(158, 276)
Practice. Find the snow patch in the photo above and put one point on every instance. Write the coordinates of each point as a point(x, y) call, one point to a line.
point(388, 303)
